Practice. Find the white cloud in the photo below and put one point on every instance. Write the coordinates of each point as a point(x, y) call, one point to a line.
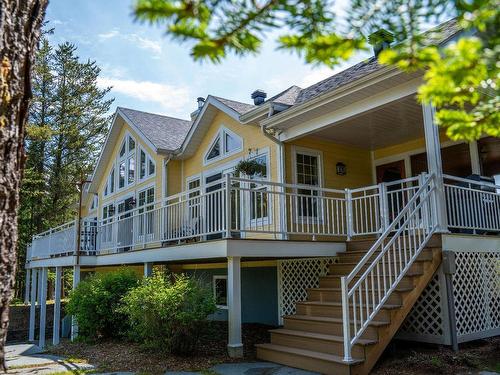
point(109, 35)
point(316, 75)
point(135, 39)
point(174, 100)
point(144, 43)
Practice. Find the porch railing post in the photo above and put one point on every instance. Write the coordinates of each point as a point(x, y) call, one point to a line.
point(346, 320)
point(350, 226)
point(228, 206)
point(384, 207)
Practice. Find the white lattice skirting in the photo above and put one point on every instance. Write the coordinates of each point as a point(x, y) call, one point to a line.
point(294, 277)
point(476, 290)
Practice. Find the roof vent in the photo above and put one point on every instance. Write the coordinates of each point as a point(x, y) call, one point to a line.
point(259, 97)
point(380, 40)
point(200, 101)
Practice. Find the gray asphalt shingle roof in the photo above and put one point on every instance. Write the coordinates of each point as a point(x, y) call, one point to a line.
point(239, 107)
point(166, 133)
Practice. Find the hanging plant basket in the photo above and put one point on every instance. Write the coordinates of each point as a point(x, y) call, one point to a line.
point(250, 168)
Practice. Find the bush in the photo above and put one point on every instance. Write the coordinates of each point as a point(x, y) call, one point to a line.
point(168, 315)
point(96, 301)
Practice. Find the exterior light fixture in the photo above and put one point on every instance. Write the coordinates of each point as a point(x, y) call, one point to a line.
point(341, 169)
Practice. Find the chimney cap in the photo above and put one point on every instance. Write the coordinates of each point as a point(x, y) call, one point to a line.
point(380, 36)
point(200, 100)
point(259, 97)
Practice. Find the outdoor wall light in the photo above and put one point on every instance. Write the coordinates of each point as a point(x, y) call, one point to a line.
point(341, 169)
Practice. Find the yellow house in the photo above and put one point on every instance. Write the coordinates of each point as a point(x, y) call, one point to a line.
point(325, 209)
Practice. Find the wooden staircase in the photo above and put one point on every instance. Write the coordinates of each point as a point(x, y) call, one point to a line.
point(312, 339)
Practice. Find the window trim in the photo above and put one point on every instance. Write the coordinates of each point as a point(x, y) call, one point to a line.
point(268, 219)
point(149, 158)
point(219, 277)
point(311, 152)
point(221, 135)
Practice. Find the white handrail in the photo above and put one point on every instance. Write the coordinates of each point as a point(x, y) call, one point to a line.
point(399, 245)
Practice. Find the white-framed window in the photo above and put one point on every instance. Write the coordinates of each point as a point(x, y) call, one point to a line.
point(108, 212)
point(126, 162)
point(259, 197)
point(109, 188)
point(307, 166)
point(145, 204)
point(194, 191)
point(147, 166)
point(219, 283)
point(224, 144)
point(95, 202)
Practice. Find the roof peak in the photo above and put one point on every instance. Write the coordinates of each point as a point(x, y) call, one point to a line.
point(151, 113)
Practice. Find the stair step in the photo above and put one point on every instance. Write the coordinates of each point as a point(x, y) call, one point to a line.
point(333, 281)
point(334, 309)
point(318, 342)
point(346, 268)
point(356, 255)
point(328, 325)
point(335, 294)
point(306, 359)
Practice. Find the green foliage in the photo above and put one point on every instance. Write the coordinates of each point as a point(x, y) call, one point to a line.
point(461, 78)
point(96, 304)
point(167, 315)
point(250, 168)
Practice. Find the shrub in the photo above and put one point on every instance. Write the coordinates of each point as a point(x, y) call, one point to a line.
point(168, 315)
point(95, 304)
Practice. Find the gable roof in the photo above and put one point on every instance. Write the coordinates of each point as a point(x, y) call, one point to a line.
point(164, 132)
point(239, 107)
point(286, 97)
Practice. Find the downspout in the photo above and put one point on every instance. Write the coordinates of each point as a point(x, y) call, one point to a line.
point(281, 171)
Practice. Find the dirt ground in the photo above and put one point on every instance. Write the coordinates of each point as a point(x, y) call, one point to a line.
point(399, 358)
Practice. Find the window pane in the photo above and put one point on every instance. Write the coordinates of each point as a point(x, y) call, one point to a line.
point(232, 143)
point(121, 175)
point(151, 168)
point(307, 174)
point(220, 292)
point(142, 161)
point(215, 150)
point(150, 195)
point(112, 181)
point(131, 170)
point(131, 144)
point(122, 150)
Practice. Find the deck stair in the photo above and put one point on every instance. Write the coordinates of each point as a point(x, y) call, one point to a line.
point(312, 339)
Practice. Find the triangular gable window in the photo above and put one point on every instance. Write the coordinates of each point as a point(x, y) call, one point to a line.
point(225, 143)
point(215, 150)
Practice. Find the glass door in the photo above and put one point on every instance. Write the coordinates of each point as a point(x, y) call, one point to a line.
point(125, 224)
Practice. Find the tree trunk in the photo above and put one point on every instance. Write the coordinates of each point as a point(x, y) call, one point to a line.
point(20, 23)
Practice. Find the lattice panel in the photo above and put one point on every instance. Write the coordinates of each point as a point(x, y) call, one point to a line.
point(426, 317)
point(476, 287)
point(294, 277)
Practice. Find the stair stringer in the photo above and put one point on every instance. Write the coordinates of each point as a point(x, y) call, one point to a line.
point(386, 333)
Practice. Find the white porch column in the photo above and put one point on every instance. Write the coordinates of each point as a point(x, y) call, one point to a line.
point(39, 286)
point(235, 344)
point(27, 285)
point(148, 269)
point(475, 161)
point(43, 307)
point(76, 281)
point(57, 307)
point(34, 276)
point(433, 149)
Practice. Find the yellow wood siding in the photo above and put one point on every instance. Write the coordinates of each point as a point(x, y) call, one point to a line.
point(357, 161)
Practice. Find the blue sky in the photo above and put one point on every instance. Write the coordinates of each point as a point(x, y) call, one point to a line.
point(150, 72)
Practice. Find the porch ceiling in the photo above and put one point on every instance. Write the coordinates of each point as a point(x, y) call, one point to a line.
point(391, 124)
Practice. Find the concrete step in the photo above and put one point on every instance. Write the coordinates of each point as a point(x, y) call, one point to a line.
point(328, 325)
point(318, 342)
point(323, 363)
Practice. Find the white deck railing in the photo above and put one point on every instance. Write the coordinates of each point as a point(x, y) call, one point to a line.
point(473, 206)
point(367, 288)
point(253, 208)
